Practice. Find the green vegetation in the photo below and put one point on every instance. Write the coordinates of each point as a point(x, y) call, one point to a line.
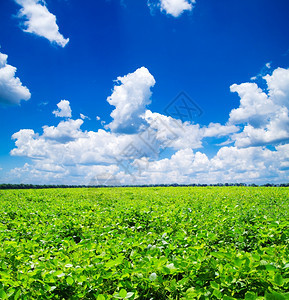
point(145, 243)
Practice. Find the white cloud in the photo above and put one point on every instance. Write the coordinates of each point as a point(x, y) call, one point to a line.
point(265, 116)
point(230, 164)
point(3, 60)
point(262, 72)
point(218, 130)
point(130, 99)
point(276, 131)
point(255, 106)
point(64, 132)
point(176, 7)
point(64, 110)
point(39, 21)
point(278, 86)
point(11, 89)
point(130, 152)
point(83, 117)
point(169, 132)
point(67, 144)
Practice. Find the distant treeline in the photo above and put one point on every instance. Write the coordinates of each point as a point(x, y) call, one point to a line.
point(62, 186)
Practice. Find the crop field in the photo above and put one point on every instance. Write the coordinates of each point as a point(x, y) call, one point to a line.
point(145, 243)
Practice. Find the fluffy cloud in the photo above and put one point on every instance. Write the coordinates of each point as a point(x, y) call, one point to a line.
point(278, 86)
point(130, 99)
point(167, 132)
point(255, 106)
point(65, 151)
point(265, 116)
point(176, 7)
point(275, 132)
point(219, 130)
point(64, 110)
point(230, 164)
point(133, 150)
point(39, 21)
point(68, 145)
point(11, 89)
point(64, 132)
point(173, 7)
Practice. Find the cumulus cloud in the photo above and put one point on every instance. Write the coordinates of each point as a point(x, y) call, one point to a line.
point(173, 7)
point(130, 99)
point(169, 132)
point(219, 130)
point(230, 164)
point(64, 132)
point(278, 86)
point(39, 21)
point(144, 147)
point(255, 106)
point(11, 89)
point(176, 7)
point(276, 131)
point(265, 115)
point(64, 110)
point(66, 150)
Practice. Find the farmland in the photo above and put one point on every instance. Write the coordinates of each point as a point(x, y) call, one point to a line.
point(145, 243)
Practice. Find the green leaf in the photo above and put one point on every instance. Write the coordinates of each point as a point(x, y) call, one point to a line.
point(3, 295)
point(100, 297)
point(10, 292)
point(81, 278)
point(238, 262)
point(59, 274)
point(191, 292)
point(218, 294)
point(218, 254)
point(17, 295)
point(214, 285)
point(69, 281)
point(250, 296)
point(278, 279)
point(122, 293)
point(275, 296)
point(270, 268)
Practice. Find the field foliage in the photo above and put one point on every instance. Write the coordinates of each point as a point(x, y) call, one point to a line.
point(145, 243)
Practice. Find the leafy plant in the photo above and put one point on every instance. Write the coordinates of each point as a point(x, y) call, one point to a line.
point(145, 243)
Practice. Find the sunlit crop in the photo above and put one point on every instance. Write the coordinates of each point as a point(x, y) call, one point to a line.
point(145, 243)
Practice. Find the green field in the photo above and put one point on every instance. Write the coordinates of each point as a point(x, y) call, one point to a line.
point(145, 243)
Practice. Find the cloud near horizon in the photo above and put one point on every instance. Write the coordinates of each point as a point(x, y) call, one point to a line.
point(39, 21)
point(141, 147)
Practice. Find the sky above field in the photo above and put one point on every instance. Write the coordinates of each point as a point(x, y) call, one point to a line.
point(144, 92)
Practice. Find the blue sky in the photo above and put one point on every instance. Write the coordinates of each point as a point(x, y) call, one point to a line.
point(65, 118)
